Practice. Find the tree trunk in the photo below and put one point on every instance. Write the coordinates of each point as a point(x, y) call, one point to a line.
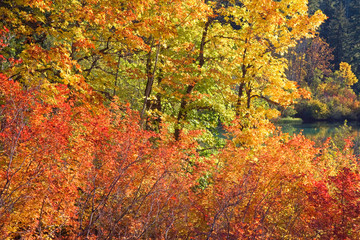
point(150, 76)
point(184, 101)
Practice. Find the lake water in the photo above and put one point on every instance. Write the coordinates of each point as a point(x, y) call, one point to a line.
point(319, 130)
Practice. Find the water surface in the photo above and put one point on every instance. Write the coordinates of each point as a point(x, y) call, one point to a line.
point(320, 130)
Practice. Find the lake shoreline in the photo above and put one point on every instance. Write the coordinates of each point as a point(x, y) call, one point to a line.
point(296, 120)
point(320, 129)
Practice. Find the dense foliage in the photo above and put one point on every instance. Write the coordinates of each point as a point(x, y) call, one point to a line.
point(318, 65)
point(341, 30)
point(150, 119)
point(332, 94)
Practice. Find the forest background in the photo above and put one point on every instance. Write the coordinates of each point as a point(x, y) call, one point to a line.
point(333, 99)
point(153, 119)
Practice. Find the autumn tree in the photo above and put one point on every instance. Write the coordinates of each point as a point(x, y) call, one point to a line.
point(110, 118)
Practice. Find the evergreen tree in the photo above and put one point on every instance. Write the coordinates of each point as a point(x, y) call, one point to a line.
point(314, 5)
point(354, 40)
point(336, 29)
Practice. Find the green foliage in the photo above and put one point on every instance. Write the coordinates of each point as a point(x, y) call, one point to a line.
point(313, 110)
point(341, 133)
point(289, 120)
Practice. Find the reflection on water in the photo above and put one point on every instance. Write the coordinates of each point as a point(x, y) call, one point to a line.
point(321, 130)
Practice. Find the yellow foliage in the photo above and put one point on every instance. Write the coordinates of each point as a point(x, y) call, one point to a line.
point(347, 74)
